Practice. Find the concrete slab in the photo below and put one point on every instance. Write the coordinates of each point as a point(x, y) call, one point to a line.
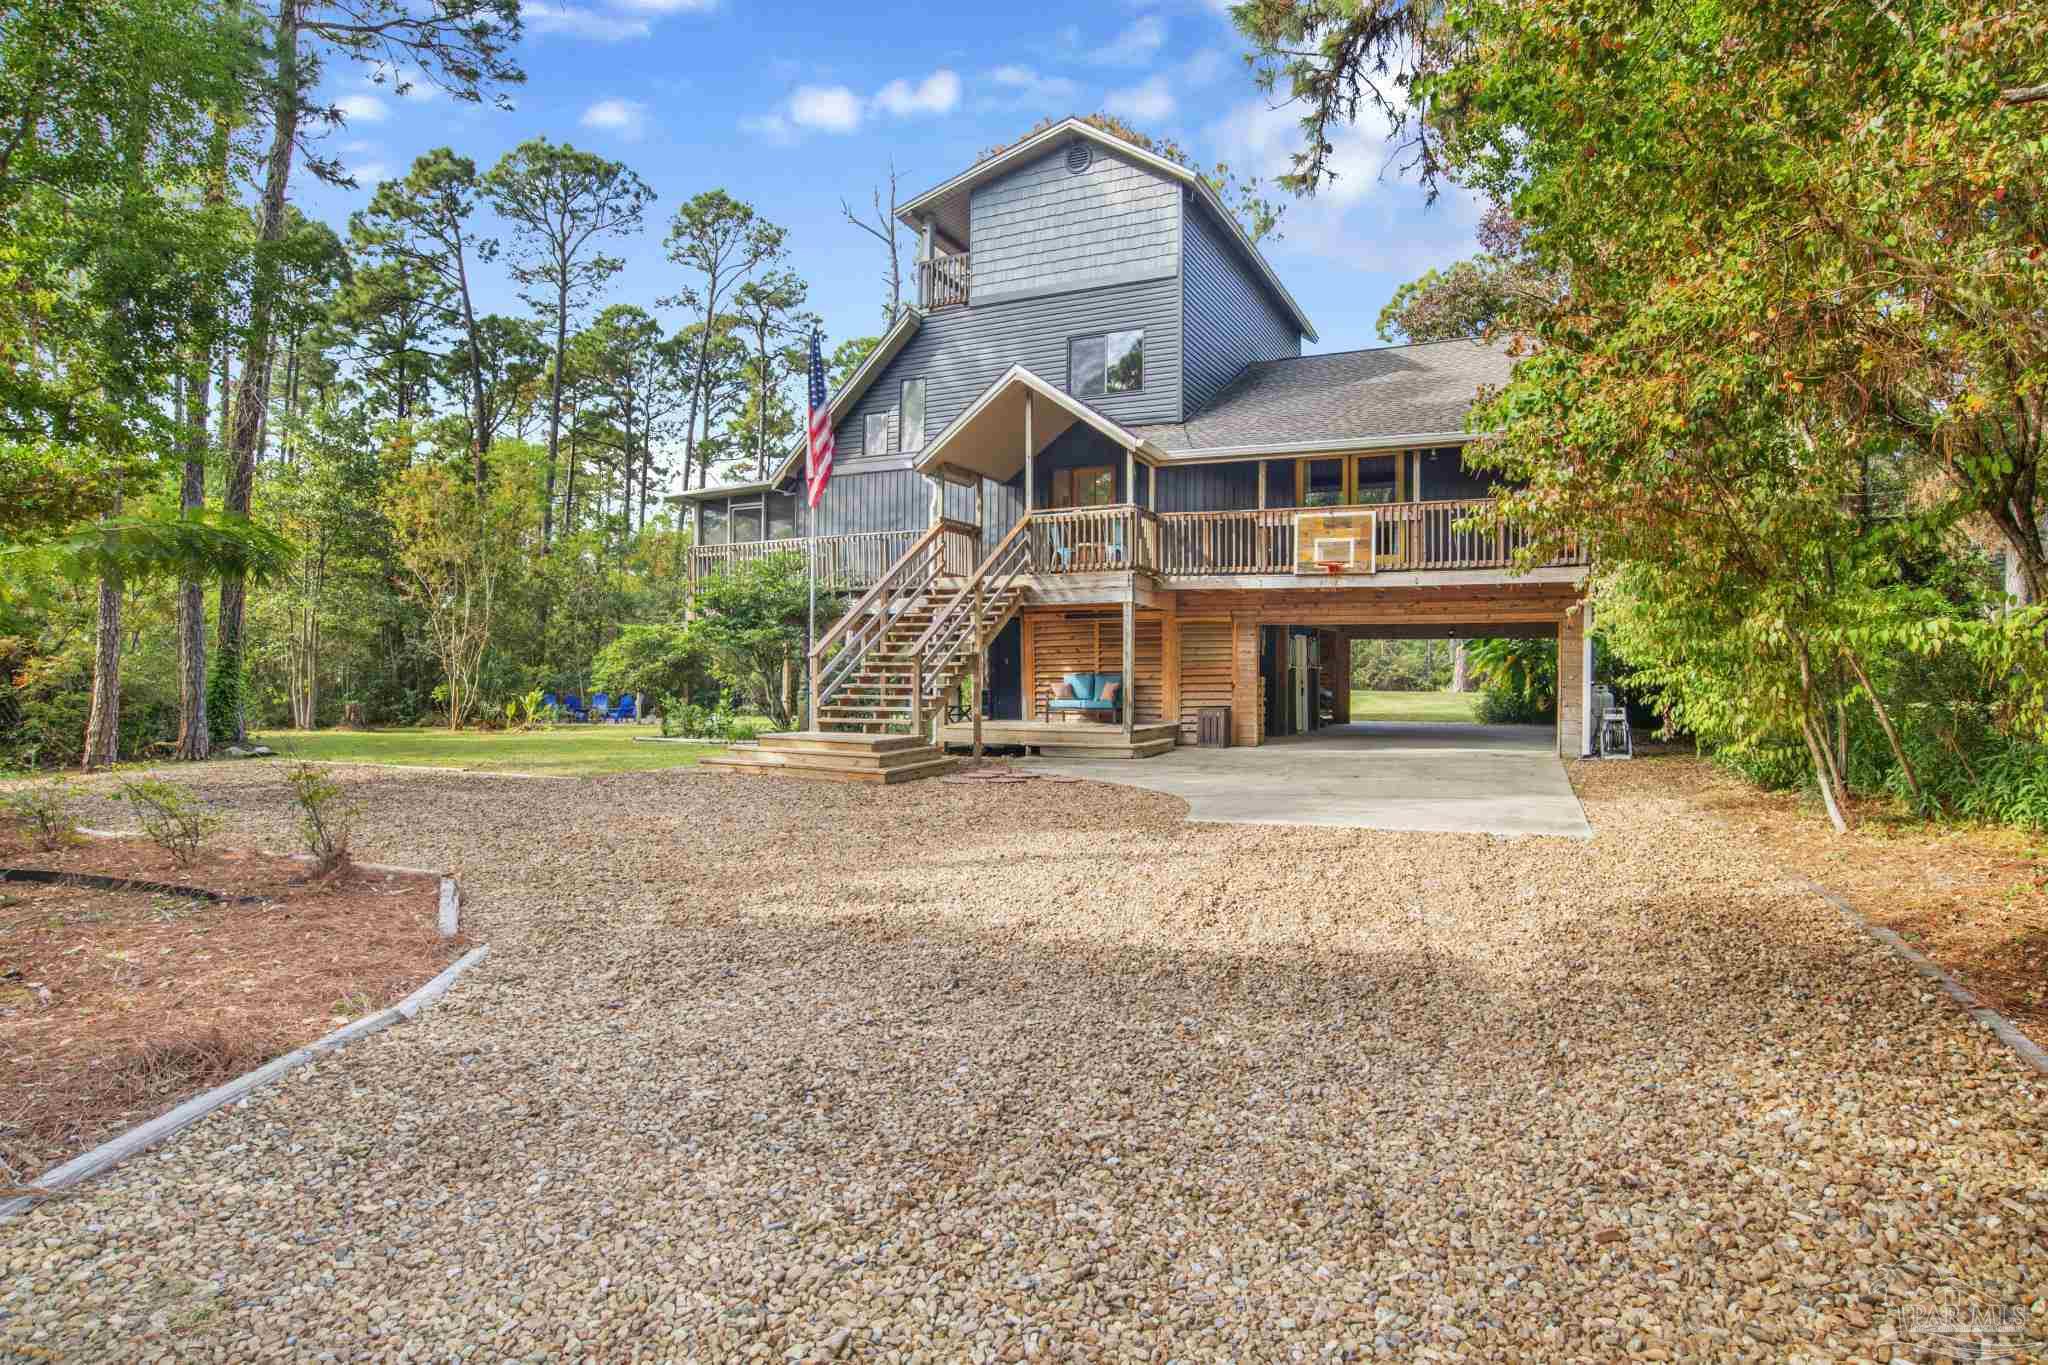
point(1457, 779)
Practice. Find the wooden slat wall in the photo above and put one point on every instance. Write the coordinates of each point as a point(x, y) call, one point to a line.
point(1204, 669)
point(1058, 643)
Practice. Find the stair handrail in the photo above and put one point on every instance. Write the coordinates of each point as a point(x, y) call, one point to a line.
point(1018, 536)
point(855, 618)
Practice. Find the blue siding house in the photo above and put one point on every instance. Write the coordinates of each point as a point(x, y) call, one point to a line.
point(1095, 447)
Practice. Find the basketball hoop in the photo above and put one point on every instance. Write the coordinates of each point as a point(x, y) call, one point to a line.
point(1333, 566)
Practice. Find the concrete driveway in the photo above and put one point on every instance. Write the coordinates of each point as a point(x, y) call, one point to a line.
point(1455, 779)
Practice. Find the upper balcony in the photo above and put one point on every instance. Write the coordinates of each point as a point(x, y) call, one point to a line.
point(943, 281)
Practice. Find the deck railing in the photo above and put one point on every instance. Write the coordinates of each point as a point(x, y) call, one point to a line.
point(1411, 535)
point(943, 280)
point(1095, 539)
point(853, 560)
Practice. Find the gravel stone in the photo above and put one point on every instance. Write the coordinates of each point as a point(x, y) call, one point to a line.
point(791, 1071)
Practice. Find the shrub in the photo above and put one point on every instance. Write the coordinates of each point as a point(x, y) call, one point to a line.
point(46, 808)
point(651, 661)
point(171, 816)
point(326, 822)
point(1506, 706)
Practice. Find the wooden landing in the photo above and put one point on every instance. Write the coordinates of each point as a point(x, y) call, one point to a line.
point(834, 756)
point(1065, 739)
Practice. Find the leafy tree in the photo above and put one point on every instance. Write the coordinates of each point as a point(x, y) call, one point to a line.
point(652, 661)
point(561, 204)
point(456, 546)
point(458, 46)
point(423, 221)
point(750, 623)
point(768, 312)
point(721, 241)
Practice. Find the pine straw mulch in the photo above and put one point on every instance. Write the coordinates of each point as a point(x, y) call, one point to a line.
point(1972, 897)
point(116, 1005)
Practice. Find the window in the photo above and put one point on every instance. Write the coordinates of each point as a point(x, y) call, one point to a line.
point(875, 436)
point(1111, 363)
point(1090, 487)
point(781, 516)
point(912, 435)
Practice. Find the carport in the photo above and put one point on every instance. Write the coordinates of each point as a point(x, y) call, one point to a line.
point(1460, 779)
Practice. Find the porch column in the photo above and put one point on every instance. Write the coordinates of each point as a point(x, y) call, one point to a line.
point(1030, 455)
point(938, 512)
point(1130, 688)
point(1130, 477)
point(1574, 684)
point(1246, 712)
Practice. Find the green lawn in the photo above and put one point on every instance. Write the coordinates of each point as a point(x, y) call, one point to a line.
point(567, 751)
point(1452, 706)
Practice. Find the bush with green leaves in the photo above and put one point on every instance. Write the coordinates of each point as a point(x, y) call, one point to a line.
point(46, 810)
point(652, 661)
point(327, 822)
point(176, 820)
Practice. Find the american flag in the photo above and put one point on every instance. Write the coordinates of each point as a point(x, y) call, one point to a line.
point(818, 444)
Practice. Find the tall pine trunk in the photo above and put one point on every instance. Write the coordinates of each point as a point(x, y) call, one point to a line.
point(251, 402)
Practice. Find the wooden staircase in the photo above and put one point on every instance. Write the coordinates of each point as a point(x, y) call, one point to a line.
point(880, 677)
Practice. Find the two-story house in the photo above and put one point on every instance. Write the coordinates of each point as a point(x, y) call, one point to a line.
point(1094, 453)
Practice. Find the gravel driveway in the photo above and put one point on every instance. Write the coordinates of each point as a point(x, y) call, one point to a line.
point(767, 1070)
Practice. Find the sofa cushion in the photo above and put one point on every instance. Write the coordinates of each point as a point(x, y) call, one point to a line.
point(1112, 693)
point(1064, 692)
point(1081, 686)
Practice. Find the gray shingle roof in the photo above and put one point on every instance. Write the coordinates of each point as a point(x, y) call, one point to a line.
point(1345, 397)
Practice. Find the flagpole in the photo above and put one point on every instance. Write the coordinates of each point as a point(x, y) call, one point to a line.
point(811, 556)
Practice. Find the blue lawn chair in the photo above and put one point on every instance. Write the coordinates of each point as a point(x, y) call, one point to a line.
point(572, 707)
point(624, 709)
point(600, 706)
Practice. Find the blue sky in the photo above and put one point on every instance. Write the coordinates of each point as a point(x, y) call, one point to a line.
point(792, 106)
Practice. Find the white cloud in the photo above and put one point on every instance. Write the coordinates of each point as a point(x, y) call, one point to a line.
point(627, 118)
point(829, 108)
point(369, 173)
point(1026, 87)
point(1203, 67)
point(1149, 99)
point(935, 94)
point(543, 16)
point(770, 128)
point(362, 108)
point(1136, 45)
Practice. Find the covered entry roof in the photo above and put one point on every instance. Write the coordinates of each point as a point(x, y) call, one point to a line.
point(987, 440)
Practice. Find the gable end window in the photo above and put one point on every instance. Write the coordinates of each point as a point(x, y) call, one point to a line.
point(1113, 362)
point(875, 436)
point(912, 434)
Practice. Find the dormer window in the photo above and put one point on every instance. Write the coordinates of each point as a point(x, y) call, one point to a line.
point(1113, 362)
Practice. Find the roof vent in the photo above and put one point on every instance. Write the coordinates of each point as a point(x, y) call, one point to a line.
point(1078, 156)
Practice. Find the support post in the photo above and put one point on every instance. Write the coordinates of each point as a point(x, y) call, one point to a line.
point(1130, 658)
point(1030, 456)
point(1259, 533)
point(980, 661)
point(917, 694)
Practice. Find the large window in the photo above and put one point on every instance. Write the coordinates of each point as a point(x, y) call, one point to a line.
point(875, 434)
point(1111, 363)
point(781, 516)
point(913, 414)
point(746, 523)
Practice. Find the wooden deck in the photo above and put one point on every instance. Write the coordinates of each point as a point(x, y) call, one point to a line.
point(1064, 739)
point(835, 756)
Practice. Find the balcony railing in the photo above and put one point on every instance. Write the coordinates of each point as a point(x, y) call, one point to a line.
point(942, 281)
point(854, 561)
point(1409, 536)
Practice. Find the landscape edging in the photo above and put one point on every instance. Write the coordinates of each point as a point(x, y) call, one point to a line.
point(168, 1124)
point(2002, 1028)
point(448, 911)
